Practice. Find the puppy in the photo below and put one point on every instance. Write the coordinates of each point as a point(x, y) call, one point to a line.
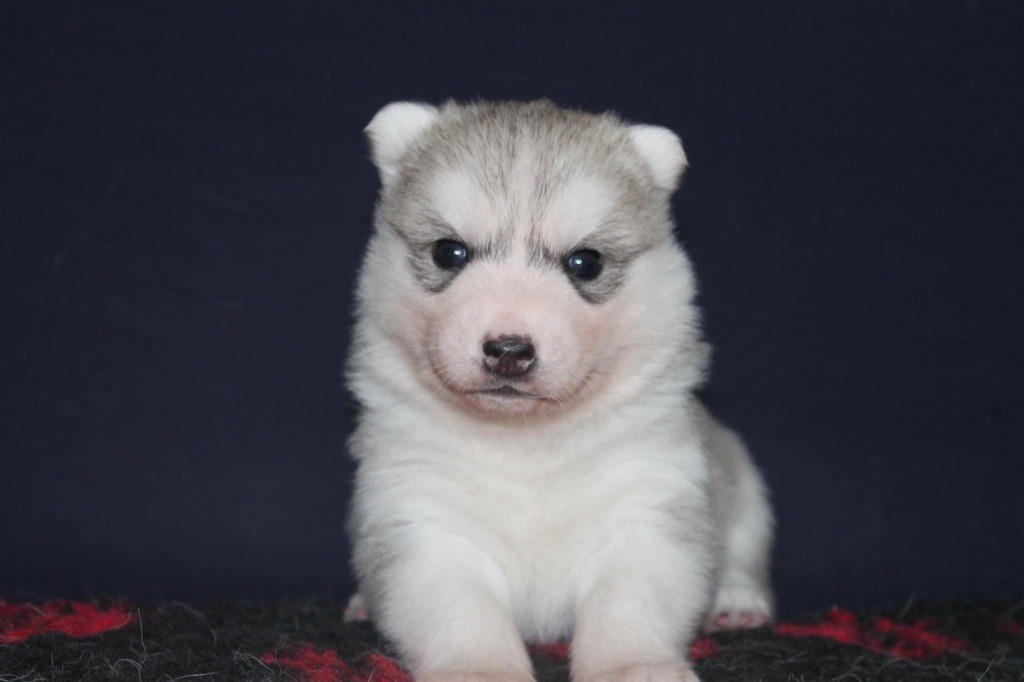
point(532, 463)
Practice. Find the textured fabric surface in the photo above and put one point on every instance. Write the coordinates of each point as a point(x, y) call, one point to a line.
point(307, 641)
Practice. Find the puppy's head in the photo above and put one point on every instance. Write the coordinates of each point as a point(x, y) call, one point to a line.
point(523, 260)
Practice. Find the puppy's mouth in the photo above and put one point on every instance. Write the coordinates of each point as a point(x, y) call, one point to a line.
point(507, 391)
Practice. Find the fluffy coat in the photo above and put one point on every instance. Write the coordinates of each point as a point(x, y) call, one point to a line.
point(593, 498)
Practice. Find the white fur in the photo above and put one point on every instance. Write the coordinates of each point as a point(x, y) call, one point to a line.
point(392, 130)
point(618, 513)
point(663, 150)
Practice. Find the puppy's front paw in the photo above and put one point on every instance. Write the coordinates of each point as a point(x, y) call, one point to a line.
point(655, 672)
point(738, 607)
point(475, 677)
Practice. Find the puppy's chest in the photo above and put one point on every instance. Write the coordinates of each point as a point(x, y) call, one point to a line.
point(535, 519)
point(541, 529)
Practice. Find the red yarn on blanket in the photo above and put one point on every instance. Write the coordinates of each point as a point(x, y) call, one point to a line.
point(18, 622)
point(902, 640)
point(312, 665)
point(1013, 627)
point(386, 669)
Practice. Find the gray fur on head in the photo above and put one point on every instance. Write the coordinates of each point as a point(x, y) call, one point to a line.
point(414, 143)
point(394, 131)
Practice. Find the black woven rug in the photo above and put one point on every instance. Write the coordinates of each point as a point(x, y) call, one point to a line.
point(307, 641)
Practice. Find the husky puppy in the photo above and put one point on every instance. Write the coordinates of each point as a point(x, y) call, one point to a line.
point(532, 463)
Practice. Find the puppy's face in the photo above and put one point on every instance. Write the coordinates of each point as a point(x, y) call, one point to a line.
point(514, 249)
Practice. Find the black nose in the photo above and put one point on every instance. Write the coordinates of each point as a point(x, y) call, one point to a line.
point(509, 356)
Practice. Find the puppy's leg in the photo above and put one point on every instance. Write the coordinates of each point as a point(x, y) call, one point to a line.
point(445, 605)
point(644, 596)
point(357, 611)
point(744, 597)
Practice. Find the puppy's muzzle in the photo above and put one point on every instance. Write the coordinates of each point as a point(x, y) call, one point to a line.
point(509, 356)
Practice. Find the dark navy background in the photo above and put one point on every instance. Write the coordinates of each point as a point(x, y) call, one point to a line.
point(186, 194)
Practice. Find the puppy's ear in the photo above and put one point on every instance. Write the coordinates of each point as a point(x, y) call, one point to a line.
point(391, 132)
point(663, 151)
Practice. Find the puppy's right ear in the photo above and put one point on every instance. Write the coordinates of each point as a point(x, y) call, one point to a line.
point(392, 131)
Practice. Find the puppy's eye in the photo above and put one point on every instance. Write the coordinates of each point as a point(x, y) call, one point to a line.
point(584, 264)
point(449, 254)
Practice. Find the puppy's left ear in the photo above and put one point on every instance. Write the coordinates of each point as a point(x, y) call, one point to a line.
point(392, 131)
point(663, 151)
